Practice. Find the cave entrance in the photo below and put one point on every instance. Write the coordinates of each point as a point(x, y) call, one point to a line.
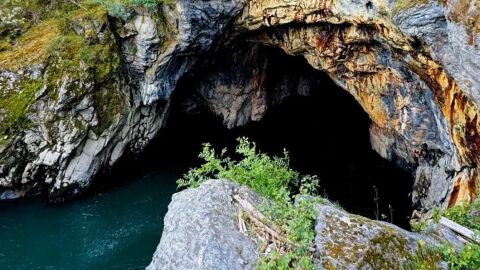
point(326, 133)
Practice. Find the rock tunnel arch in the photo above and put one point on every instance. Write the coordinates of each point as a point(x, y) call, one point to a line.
point(424, 108)
point(281, 102)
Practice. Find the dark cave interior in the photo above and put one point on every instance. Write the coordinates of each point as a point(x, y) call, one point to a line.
point(325, 133)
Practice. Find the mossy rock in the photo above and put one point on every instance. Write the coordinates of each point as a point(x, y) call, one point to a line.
point(77, 53)
point(347, 241)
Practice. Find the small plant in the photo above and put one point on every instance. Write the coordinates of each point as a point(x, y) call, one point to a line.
point(376, 200)
point(390, 210)
point(418, 225)
point(468, 258)
point(270, 177)
point(424, 258)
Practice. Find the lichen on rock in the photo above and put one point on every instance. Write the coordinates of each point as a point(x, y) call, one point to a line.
point(202, 232)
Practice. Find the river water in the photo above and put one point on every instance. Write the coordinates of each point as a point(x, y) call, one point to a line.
point(118, 224)
point(116, 229)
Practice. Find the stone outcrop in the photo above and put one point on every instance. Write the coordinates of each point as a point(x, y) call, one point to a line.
point(66, 110)
point(412, 65)
point(201, 232)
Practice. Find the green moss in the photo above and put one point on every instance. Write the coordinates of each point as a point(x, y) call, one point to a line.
point(386, 242)
point(108, 105)
point(82, 57)
point(386, 249)
point(14, 105)
point(399, 5)
point(66, 41)
point(32, 47)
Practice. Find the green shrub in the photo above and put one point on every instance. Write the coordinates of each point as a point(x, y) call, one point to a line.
point(418, 225)
point(268, 176)
point(271, 178)
point(465, 214)
point(467, 259)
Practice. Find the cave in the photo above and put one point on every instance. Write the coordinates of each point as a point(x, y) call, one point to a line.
point(105, 104)
point(324, 129)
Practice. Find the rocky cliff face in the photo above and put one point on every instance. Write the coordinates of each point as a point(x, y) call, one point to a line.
point(202, 232)
point(79, 92)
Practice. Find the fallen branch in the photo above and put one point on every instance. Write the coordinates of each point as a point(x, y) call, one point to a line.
point(459, 229)
point(260, 220)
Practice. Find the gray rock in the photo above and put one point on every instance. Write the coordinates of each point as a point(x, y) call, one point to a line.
point(347, 241)
point(200, 231)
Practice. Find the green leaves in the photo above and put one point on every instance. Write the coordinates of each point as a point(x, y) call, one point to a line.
point(269, 177)
point(272, 178)
point(465, 214)
point(467, 259)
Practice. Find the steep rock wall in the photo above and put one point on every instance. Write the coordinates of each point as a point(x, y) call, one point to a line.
point(421, 115)
point(412, 65)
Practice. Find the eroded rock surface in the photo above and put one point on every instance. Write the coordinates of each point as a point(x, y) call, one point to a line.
point(412, 65)
point(201, 232)
point(346, 241)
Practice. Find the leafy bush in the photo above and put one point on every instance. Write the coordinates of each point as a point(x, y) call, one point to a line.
point(271, 178)
point(268, 176)
point(465, 214)
point(468, 258)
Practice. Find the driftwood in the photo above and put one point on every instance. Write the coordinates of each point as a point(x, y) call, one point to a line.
point(459, 229)
point(260, 220)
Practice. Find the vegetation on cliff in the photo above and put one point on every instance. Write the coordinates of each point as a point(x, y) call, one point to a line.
point(468, 258)
point(49, 46)
point(467, 215)
point(272, 178)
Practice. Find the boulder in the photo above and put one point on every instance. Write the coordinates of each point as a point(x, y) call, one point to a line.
point(201, 231)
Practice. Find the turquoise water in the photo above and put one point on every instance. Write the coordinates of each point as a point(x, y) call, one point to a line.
point(119, 226)
point(116, 229)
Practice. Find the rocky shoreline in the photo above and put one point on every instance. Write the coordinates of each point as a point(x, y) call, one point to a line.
point(202, 231)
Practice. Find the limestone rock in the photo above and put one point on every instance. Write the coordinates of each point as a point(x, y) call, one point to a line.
point(201, 232)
